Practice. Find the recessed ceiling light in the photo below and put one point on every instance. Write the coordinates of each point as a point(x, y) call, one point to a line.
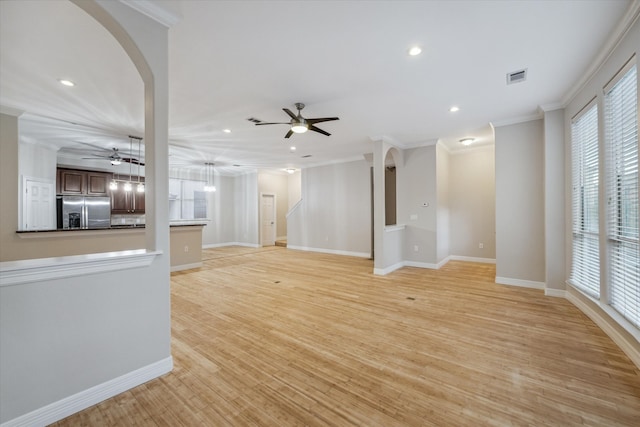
point(292, 149)
point(454, 109)
point(415, 50)
point(226, 130)
point(290, 170)
point(66, 82)
point(467, 141)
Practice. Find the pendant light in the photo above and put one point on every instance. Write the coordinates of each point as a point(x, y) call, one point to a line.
point(140, 187)
point(113, 185)
point(127, 185)
point(209, 186)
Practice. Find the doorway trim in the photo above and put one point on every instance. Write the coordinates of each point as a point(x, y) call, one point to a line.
point(274, 222)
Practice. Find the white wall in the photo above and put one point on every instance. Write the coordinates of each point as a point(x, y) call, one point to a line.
point(473, 203)
point(278, 184)
point(417, 185)
point(520, 215)
point(295, 187)
point(554, 203)
point(443, 208)
point(220, 228)
point(246, 209)
point(335, 212)
point(63, 337)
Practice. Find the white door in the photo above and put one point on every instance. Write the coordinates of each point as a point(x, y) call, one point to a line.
point(268, 219)
point(39, 206)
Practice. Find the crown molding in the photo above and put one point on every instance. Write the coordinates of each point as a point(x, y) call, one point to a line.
point(625, 24)
point(515, 120)
point(156, 10)
point(10, 111)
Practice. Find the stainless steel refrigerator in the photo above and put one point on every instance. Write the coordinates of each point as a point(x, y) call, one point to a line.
point(83, 212)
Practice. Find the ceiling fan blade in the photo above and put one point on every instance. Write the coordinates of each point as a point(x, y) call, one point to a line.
point(288, 135)
point(132, 161)
point(293, 116)
point(274, 123)
point(322, 119)
point(315, 129)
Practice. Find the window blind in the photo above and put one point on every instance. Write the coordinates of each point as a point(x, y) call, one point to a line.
point(585, 266)
point(621, 146)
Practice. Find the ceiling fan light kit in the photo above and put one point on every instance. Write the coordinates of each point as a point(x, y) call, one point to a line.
point(300, 127)
point(299, 124)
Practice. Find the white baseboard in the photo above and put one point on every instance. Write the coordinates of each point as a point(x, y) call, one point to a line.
point(387, 270)
point(603, 321)
point(472, 259)
point(330, 251)
point(519, 282)
point(186, 266)
point(558, 293)
point(222, 245)
point(75, 403)
point(417, 264)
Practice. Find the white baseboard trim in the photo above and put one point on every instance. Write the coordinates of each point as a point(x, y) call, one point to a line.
point(417, 264)
point(330, 251)
point(472, 259)
point(519, 282)
point(75, 403)
point(558, 293)
point(186, 266)
point(222, 245)
point(604, 323)
point(387, 270)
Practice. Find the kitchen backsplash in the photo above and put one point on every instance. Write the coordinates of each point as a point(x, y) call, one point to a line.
point(127, 219)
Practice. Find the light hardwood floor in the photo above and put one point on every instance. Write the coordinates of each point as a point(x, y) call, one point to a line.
point(276, 337)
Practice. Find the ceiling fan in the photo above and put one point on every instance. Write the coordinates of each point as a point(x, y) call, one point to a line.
point(115, 158)
point(299, 124)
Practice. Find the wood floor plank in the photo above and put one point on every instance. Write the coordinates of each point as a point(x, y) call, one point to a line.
point(277, 337)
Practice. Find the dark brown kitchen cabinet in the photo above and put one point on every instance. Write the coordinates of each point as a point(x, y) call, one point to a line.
point(79, 182)
point(127, 202)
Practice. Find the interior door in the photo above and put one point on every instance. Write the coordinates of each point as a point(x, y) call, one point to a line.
point(39, 206)
point(268, 219)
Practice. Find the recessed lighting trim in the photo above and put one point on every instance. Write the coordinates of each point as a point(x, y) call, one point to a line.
point(467, 141)
point(226, 130)
point(290, 170)
point(66, 82)
point(415, 51)
point(454, 109)
point(292, 149)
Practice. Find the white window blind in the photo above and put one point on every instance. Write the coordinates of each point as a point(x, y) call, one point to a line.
point(621, 146)
point(585, 270)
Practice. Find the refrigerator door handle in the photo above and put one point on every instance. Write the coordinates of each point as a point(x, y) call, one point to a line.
point(85, 218)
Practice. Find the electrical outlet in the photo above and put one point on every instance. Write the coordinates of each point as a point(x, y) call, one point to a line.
point(413, 217)
point(186, 248)
point(415, 248)
point(481, 245)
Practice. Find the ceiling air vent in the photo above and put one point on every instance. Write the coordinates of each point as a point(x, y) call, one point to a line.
point(517, 76)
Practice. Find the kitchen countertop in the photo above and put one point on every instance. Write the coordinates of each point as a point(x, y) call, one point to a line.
point(113, 227)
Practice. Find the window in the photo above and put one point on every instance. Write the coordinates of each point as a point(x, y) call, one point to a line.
point(187, 199)
point(621, 147)
point(585, 271)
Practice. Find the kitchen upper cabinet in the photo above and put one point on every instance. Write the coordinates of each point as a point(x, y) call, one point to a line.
point(127, 202)
point(79, 182)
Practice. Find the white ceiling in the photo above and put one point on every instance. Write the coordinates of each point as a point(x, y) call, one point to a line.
point(231, 60)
